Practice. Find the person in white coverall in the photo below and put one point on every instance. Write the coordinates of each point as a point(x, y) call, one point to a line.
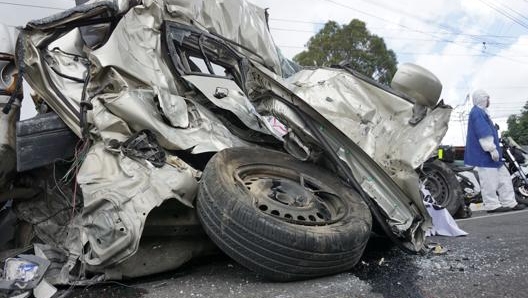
point(483, 152)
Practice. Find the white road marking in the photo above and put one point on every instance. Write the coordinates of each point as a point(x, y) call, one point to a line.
point(488, 215)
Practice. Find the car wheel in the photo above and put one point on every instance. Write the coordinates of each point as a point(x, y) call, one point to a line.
point(280, 217)
point(443, 185)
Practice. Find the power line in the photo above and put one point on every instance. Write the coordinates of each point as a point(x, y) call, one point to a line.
point(506, 110)
point(388, 21)
point(498, 87)
point(296, 21)
point(292, 30)
point(497, 105)
point(519, 106)
point(291, 47)
point(505, 13)
point(465, 55)
point(30, 5)
point(409, 29)
point(448, 28)
point(452, 30)
point(512, 107)
point(426, 54)
point(399, 37)
point(514, 11)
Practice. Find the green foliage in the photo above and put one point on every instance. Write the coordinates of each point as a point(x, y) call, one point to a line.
point(367, 53)
point(518, 126)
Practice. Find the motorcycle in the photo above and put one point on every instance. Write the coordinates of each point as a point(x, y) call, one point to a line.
point(515, 162)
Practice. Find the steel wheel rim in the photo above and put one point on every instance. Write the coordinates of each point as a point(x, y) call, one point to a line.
point(291, 196)
point(437, 185)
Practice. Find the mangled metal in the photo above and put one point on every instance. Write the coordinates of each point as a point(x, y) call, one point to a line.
point(225, 18)
point(176, 78)
point(8, 79)
point(377, 125)
point(119, 192)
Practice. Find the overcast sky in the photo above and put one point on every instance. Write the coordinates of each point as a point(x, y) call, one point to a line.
point(468, 44)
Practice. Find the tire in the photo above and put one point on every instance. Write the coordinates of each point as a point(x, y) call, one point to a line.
point(443, 184)
point(521, 191)
point(463, 212)
point(252, 205)
point(521, 199)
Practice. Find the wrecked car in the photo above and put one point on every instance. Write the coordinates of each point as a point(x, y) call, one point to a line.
point(157, 133)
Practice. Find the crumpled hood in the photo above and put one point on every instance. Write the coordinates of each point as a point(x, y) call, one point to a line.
point(374, 118)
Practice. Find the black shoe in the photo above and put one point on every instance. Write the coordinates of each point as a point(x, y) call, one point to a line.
point(519, 207)
point(501, 209)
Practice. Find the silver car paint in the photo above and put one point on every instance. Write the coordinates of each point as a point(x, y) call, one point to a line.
point(129, 78)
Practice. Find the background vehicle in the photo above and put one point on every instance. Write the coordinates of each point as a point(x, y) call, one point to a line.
point(455, 186)
point(515, 162)
point(445, 183)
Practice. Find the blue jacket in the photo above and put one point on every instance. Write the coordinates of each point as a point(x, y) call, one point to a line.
point(480, 126)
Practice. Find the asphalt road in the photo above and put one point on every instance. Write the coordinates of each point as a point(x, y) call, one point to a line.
point(492, 261)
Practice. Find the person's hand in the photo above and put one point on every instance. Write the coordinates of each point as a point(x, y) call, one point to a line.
point(494, 155)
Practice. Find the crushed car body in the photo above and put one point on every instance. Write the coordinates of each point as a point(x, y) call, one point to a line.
point(141, 94)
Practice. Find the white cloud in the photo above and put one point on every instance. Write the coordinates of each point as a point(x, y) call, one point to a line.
point(504, 76)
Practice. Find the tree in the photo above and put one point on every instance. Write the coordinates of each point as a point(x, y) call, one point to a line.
point(366, 53)
point(518, 126)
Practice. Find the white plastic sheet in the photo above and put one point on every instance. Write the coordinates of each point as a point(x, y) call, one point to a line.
point(443, 222)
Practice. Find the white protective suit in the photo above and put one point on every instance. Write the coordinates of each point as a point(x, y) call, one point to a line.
point(495, 183)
